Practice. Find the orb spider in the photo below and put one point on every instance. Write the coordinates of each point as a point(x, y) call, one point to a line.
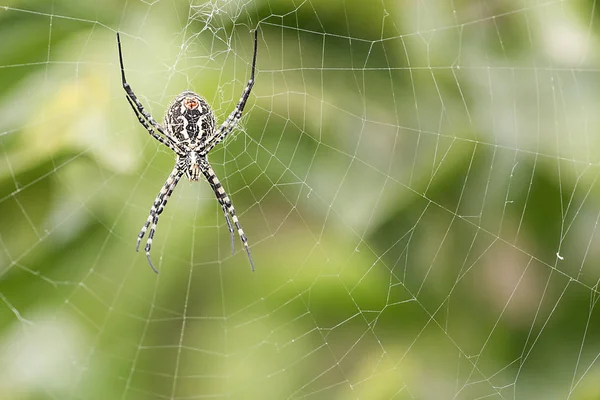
point(189, 131)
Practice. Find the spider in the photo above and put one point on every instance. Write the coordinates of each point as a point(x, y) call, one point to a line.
point(189, 131)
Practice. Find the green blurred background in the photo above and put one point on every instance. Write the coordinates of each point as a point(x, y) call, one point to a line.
point(418, 182)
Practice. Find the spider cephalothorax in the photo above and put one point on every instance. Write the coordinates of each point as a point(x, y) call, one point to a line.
point(189, 131)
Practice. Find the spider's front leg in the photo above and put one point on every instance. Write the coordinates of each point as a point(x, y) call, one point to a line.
point(225, 212)
point(227, 206)
point(157, 208)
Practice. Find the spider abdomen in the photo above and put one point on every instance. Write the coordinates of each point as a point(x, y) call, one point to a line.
point(189, 119)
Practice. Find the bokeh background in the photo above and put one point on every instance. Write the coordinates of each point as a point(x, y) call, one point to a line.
point(417, 179)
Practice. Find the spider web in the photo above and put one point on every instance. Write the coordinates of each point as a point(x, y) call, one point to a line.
point(417, 180)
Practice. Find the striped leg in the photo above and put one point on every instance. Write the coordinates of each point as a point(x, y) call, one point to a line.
point(167, 142)
point(157, 208)
point(143, 116)
point(227, 207)
point(219, 189)
point(233, 118)
point(224, 207)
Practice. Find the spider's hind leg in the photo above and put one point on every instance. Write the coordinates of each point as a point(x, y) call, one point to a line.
point(233, 118)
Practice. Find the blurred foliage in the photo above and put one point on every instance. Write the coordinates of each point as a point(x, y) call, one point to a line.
point(418, 182)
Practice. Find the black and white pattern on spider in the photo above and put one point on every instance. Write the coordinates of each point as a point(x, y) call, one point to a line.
point(190, 118)
point(189, 131)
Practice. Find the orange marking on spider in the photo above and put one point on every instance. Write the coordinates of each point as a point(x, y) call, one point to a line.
point(190, 103)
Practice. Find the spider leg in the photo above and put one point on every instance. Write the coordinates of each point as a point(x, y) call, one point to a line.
point(151, 131)
point(224, 206)
point(139, 108)
point(225, 212)
point(227, 205)
point(233, 118)
point(157, 208)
